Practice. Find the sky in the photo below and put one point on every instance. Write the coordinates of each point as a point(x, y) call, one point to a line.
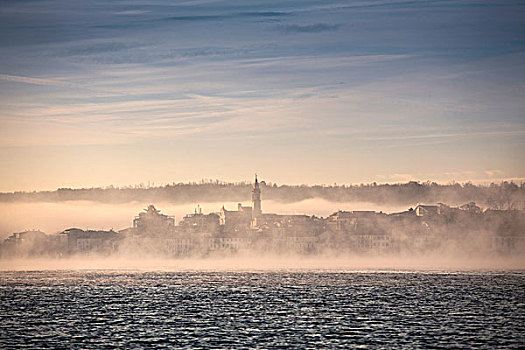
point(98, 93)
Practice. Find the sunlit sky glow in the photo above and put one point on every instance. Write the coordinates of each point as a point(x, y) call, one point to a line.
point(94, 93)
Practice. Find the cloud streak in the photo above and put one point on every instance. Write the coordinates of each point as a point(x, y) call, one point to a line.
point(310, 28)
point(35, 81)
point(447, 135)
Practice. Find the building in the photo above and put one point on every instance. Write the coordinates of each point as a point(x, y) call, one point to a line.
point(200, 223)
point(256, 200)
point(153, 222)
point(427, 210)
point(91, 241)
point(471, 207)
point(358, 231)
point(26, 243)
point(235, 221)
point(244, 218)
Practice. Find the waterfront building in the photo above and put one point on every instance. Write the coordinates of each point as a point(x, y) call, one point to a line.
point(88, 241)
point(26, 243)
point(359, 231)
point(235, 221)
point(245, 218)
point(200, 223)
point(427, 210)
point(152, 221)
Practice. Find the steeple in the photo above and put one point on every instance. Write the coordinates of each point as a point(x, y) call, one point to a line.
point(256, 199)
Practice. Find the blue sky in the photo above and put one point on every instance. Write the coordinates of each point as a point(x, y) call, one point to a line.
point(122, 92)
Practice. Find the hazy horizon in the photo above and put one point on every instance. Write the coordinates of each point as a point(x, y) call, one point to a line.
point(151, 184)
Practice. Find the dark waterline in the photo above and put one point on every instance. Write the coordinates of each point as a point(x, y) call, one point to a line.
point(114, 309)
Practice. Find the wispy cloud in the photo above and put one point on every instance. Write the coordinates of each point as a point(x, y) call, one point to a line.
point(367, 80)
point(310, 28)
point(319, 61)
point(494, 172)
point(445, 135)
point(132, 12)
point(91, 47)
point(34, 81)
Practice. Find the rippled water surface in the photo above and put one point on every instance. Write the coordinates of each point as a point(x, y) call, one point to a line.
point(110, 309)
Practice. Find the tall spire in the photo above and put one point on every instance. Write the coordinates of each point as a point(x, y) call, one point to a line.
point(256, 199)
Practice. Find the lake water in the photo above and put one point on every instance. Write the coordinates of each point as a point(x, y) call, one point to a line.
point(280, 309)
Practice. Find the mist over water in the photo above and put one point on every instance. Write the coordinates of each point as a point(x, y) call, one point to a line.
point(272, 262)
point(467, 250)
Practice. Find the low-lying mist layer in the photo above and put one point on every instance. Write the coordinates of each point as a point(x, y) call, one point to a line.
point(268, 262)
point(505, 195)
point(312, 233)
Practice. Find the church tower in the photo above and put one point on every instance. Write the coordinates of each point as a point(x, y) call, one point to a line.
point(256, 200)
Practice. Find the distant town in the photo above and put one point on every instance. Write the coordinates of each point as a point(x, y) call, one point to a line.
point(423, 229)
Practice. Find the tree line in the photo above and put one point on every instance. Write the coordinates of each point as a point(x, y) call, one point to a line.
point(504, 195)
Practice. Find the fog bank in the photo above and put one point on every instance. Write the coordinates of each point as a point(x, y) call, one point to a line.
point(268, 262)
